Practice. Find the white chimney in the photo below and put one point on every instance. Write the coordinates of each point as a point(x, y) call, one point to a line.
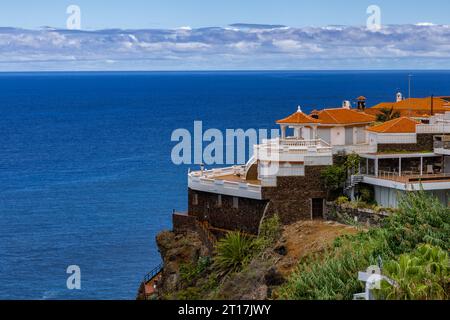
point(346, 104)
point(399, 96)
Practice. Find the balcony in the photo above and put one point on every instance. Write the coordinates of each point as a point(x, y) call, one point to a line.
point(228, 181)
point(409, 181)
point(410, 177)
point(356, 148)
point(309, 152)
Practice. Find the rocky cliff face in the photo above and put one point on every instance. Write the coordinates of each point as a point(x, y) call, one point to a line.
point(177, 250)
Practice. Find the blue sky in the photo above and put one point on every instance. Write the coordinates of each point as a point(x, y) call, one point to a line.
point(196, 35)
point(100, 14)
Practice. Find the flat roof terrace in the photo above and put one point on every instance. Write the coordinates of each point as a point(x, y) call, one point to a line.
point(237, 178)
point(227, 181)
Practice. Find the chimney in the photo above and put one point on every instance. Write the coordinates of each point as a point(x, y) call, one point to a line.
point(346, 105)
point(399, 96)
point(362, 103)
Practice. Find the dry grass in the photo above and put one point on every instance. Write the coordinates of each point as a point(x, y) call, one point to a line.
point(306, 237)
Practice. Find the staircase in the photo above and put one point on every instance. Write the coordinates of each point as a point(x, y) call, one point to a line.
point(148, 285)
point(352, 183)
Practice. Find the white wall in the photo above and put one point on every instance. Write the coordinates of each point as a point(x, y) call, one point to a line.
point(324, 134)
point(338, 136)
point(387, 197)
point(373, 141)
point(361, 135)
point(391, 138)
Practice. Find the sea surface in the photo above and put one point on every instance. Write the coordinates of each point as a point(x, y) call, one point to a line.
point(86, 176)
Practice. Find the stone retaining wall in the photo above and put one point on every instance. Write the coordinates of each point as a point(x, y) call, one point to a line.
point(345, 214)
point(425, 142)
point(183, 223)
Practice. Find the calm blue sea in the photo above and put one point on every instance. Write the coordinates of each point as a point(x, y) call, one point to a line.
point(85, 172)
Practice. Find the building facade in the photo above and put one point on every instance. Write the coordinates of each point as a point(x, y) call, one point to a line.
point(284, 174)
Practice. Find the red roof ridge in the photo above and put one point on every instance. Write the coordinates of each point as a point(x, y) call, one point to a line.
point(326, 110)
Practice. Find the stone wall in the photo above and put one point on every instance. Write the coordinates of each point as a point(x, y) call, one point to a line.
point(292, 197)
point(291, 200)
point(183, 223)
point(345, 214)
point(424, 143)
point(246, 217)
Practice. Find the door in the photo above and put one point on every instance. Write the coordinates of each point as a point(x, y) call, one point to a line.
point(317, 208)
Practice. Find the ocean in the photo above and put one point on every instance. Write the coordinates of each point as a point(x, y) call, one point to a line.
point(86, 176)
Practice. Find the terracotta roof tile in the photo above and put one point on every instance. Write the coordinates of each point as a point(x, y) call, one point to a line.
point(413, 106)
point(400, 125)
point(343, 116)
point(298, 118)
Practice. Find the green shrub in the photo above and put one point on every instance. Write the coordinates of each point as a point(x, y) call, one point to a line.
point(233, 252)
point(367, 194)
point(333, 178)
point(188, 272)
point(342, 200)
point(334, 276)
point(421, 275)
point(421, 218)
point(352, 162)
point(270, 229)
point(358, 203)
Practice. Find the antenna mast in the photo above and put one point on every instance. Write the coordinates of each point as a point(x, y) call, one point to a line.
point(409, 86)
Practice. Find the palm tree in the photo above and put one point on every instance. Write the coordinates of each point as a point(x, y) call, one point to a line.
point(387, 114)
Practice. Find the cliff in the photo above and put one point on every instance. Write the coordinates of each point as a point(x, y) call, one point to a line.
point(190, 272)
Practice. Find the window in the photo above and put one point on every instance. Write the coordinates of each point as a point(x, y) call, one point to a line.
point(195, 199)
point(219, 201)
point(235, 202)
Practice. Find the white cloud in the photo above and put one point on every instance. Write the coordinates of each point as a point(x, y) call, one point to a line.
point(239, 46)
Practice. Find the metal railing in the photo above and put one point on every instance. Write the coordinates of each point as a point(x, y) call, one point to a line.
point(295, 143)
point(154, 273)
point(410, 178)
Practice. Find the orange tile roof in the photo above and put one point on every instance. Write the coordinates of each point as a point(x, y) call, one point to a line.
point(399, 125)
point(343, 116)
point(298, 118)
point(413, 106)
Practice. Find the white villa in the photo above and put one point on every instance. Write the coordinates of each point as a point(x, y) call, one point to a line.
point(283, 176)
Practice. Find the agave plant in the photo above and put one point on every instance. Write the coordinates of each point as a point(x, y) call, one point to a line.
point(233, 252)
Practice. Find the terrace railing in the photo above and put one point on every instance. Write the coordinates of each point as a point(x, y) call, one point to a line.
point(411, 178)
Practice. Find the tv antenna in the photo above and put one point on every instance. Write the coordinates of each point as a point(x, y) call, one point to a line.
point(409, 85)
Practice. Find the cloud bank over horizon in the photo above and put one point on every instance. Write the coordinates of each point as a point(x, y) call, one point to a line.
point(239, 46)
